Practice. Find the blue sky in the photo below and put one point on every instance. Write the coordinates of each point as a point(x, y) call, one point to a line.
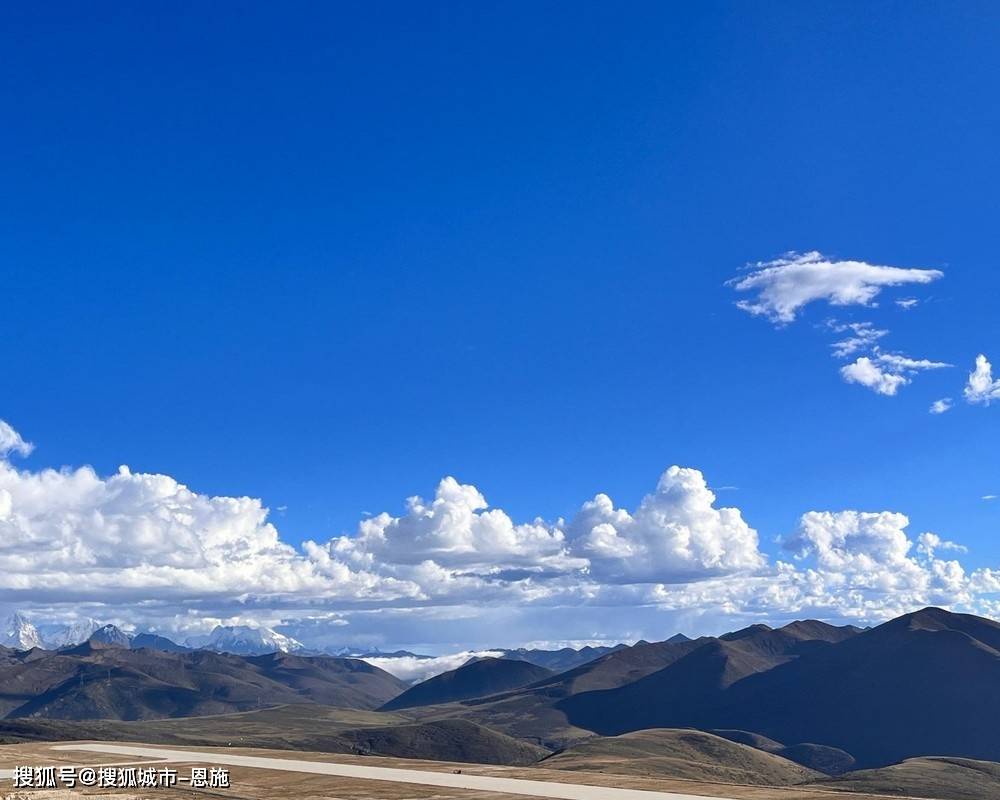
point(327, 254)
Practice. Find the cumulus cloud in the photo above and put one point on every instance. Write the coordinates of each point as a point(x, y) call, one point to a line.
point(941, 406)
point(885, 373)
point(456, 529)
point(675, 534)
point(11, 442)
point(865, 562)
point(71, 534)
point(868, 373)
point(782, 287)
point(147, 552)
point(981, 388)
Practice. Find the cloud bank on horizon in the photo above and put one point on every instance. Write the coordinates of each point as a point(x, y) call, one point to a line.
point(148, 552)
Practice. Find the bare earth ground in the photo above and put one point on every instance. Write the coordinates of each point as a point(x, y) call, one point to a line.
point(263, 784)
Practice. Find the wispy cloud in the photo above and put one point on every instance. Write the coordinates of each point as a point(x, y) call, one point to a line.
point(886, 373)
point(11, 442)
point(941, 406)
point(864, 335)
point(782, 287)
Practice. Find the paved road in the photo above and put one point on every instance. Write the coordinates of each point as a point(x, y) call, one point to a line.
point(8, 774)
point(483, 783)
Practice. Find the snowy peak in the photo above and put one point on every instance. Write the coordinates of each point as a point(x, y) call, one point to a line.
point(73, 634)
point(244, 640)
point(19, 633)
point(110, 636)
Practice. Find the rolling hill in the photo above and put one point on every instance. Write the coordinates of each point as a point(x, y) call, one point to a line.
point(921, 684)
point(548, 712)
point(951, 778)
point(480, 678)
point(298, 727)
point(444, 740)
point(687, 754)
point(97, 680)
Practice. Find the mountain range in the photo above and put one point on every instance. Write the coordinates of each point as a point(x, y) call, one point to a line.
point(830, 699)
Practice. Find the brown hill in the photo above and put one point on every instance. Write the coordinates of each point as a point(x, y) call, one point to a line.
point(545, 711)
point(687, 754)
point(696, 678)
point(923, 684)
point(828, 760)
point(301, 727)
point(945, 778)
point(480, 678)
point(93, 681)
point(444, 740)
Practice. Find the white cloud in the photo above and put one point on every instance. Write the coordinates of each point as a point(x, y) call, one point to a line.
point(885, 373)
point(929, 543)
point(675, 534)
point(907, 303)
point(782, 287)
point(981, 388)
point(72, 535)
point(11, 442)
point(865, 565)
point(145, 551)
point(863, 336)
point(941, 406)
point(989, 497)
point(457, 529)
point(866, 372)
point(901, 363)
point(414, 669)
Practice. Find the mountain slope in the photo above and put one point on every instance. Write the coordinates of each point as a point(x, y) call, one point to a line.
point(112, 636)
point(921, 684)
point(547, 711)
point(99, 681)
point(687, 754)
point(480, 678)
point(154, 642)
point(828, 760)
point(18, 633)
point(72, 634)
point(444, 740)
point(682, 693)
point(244, 640)
point(951, 778)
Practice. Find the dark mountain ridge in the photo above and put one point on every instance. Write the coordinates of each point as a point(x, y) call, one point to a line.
point(479, 678)
point(99, 680)
point(922, 684)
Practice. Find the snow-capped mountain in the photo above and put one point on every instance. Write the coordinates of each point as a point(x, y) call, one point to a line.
point(72, 634)
point(244, 640)
point(19, 633)
point(111, 636)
